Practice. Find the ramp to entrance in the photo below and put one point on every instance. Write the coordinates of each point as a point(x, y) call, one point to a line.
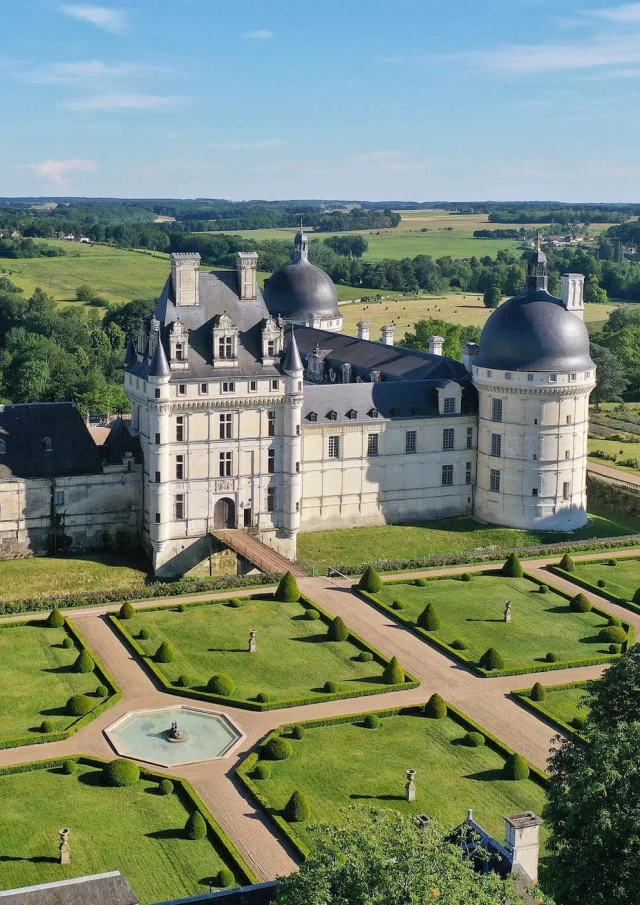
point(262, 556)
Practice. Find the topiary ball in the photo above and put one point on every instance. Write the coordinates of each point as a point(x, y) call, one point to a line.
point(311, 615)
point(221, 684)
point(79, 704)
point(567, 564)
point(298, 732)
point(277, 748)
point(288, 590)
point(601, 583)
point(435, 708)
point(55, 619)
point(69, 767)
point(338, 631)
point(512, 567)
point(331, 687)
point(457, 644)
point(365, 656)
point(612, 562)
point(47, 726)
point(474, 740)
point(543, 589)
point(615, 648)
point(262, 771)
point(127, 611)
point(370, 581)
point(538, 692)
point(165, 653)
point(398, 605)
point(372, 721)
point(615, 620)
point(263, 698)
point(225, 878)
point(612, 634)
point(84, 663)
point(297, 808)
point(466, 576)
point(580, 604)
point(195, 827)
point(393, 673)
point(181, 608)
point(515, 768)
point(144, 634)
point(67, 643)
point(121, 772)
point(551, 657)
point(491, 660)
point(166, 787)
point(421, 582)
point(102, 691)
point(186, 681)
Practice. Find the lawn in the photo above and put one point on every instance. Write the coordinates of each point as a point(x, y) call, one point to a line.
point(36, 680)
point(563, 703)
point(134, 830)
point(472, 611)
point(450, 777)
point(48, 576)
point(293, 658)
point(622, 580)
point(353, 546)
point(620, 449)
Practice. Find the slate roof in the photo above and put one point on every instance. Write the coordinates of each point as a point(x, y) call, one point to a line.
point(301, 290)
point(364, 355)
point(390, 399)
point(257, 894)
point(119, 442)
point(97, 889)
point(23, 428)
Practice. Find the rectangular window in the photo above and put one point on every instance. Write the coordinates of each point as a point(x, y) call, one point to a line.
point(534, 491)
point(59, 497)
point(535, 457)
point(271, 348)
point(157, 440)
point(180, 428)
point(372, 445)
point(494, 480)
point(204, 389)
point(297, 430)
point(572, 377)
point(496, 409)
point(297, 468)
point(275, 385)
point(179, 352)
point(567, 454)
point(226, 425)
point(447, 475)
point(179, 507)
point(448, 438)
point(553, 378)
point(157, 477)
point(157, 518)
point(179, 468)
point(271, 499)
point(334, 447)
point(467, 473)
point(182, 389)
point(469, 438)
point(530, 378)
point(568, 419)
point(507, 375)
point(226, 463)
point(449, 407)
point(496, 445)
point(228, 386)
point(566, 490)
point(225, 347)
point(253, 386)
point(271, 461)
point(410, 442)
point(271, 419)
point(157, 393)
point(489, 374)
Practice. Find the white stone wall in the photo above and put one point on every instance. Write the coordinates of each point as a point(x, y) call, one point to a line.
point(358, 489)
point(543, 448)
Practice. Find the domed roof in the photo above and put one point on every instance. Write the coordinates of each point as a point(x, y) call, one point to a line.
point(534, 331)
point(301, 290)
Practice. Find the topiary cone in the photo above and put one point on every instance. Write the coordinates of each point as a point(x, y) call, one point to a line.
point(580, 603)
point(636, 596)
point(165, 653)
point(512, 567)
point(370, 581)
point(567, 563)
point(338, 631)
point(297, 808)
point(516, 768)
point(393, 673)
point(435, 708)
point(127, 611)
point(55, 619)
point(195, 827)
point(538, 692)
point(491, 659)
point(288, 590)
point(429, 618)
point(84, 663)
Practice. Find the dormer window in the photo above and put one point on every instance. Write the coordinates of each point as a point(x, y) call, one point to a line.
point(332, 416)
point(178, 346)
point(225, 347)
point(3, 447)
point(373, 413)
point(272, 340)
point(352, 414)
point(415, 410)
point(312, 416)
point(395, 412)
point(225, 342)
point(47, 445)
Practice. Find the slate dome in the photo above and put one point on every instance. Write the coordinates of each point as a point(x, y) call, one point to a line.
point(300, 290)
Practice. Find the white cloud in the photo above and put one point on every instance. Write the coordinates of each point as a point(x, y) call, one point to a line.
point(56, 171)
point(113, 20)
point(85, 70)
point(260, 144)
point(260, 34)
point(628, 14)
point(111, 102)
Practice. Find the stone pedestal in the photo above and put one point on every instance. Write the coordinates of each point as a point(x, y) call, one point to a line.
point(507, 611)
point(65, 848)
point(252, 641)
point(410, 788)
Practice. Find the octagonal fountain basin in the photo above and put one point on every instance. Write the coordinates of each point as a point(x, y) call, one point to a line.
point(197, 735)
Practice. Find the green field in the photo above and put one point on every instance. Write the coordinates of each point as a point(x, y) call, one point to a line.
point(48, 576)
point(472, 611)
point(134, 830)
point(293, 658)
point(353, 546)
point(621, 450)
point(37, 680)
point(337, 766)
point(623, 579)
point(564, 704)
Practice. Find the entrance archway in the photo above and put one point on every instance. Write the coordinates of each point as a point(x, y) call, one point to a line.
point(224, 513)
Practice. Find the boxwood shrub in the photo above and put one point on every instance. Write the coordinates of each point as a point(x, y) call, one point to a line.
point(370, 581)
point(515, 768)
point(474, 740)
point(55, 619)
point(225, 878)
point(221, 684)
point(491, 660)
point(288, 590)
point(121, 772)
point(393, 673)
point(612, 634)
point(277, 748)
point(435, 708)
point(79, 704)
point(297, 809)
point(338, 631)
point(372, 721)
point(165, 653)
point(580, 603)
point(127, 611)
point(195, 827)
point(262, 770)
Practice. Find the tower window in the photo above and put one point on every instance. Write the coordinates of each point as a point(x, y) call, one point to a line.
point(496, 409)
point(157, 477)
point(275, 385)
point(157, 440)
point(271, 499)
point(3, 447)
point(567, 454)
point(271, 424)
point(372, 444)
point(447, 475)
point(496, 445)
point(228, 386)
point(566, 490)
point(507, 375)
point(156, 393)
point(179, 428)
point(179, 468)
point(530, 378)
point(59, 497)
point(449, 406)
point(204, 389)
point(179, 507)
point(334, 447)
point(182, 389)
point(253, 386)
point(572, 377)
point(534, 491)
point(568, 419)
point(225, 347)
point(553, 378)
point(179, 352)
point(410, 442)
point(47, 445)
point(226, 426)
point(535, 457)
point(226, 464)
point(271, 461)
point(271, 348)
point(467, 473)
point(494, 480)
point(469, 438)
point(448, 438)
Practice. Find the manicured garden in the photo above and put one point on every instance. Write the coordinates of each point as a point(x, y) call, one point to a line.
point(136, 829)
point(301, 654)
point(362, 761)
point(42, 670)
point(617, 577)
point(466, 615)
point(563, 705)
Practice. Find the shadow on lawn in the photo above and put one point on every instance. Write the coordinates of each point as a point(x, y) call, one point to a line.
point(227, 650)
point(167, 834)
point(54, 711)
point(355, 797)
point(38, 859)
point(485, 775)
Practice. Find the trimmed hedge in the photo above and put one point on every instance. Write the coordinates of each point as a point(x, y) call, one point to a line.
point(121, 772)
point(67, 643)
point(166, 787)
point(225, 878)
point(79, 705)
point(371, 721)
point(567, 563)
point(297, 732)
point(370, 581)
point(474, 740)
point(633, 605)
point(312, 615)
point(47, 726)
point(435, 708)
point(523, 697)
point(331, 687)
point(612, 634)
point(365, 656)
point(491, 660)
point(262, 771)
point(297, 809)
point(288, 590)
point(195, 827)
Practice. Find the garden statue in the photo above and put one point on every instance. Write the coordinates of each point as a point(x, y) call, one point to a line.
point(410, 791)
point(507, 611)
point(174, 734)
point(65, 849)
point(252, 641)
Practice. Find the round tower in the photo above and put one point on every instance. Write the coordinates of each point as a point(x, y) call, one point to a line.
point(292, 440)
point(160, 514)
point(533, 375)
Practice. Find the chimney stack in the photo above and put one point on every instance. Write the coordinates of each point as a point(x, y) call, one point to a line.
point(522, 841)
point(469, 353)
point(247, 268)
point(185, 276)
point(388, 334)
point(436, 344)
point(364, 329)
point(573, 293)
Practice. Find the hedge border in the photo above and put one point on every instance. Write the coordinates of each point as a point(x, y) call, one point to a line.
point(523, 697)
point(222, 844)
point(102, 674)
point(157, 591)
point(359, 642)
point(461, 657)
point(466, 723)
point(593, 588)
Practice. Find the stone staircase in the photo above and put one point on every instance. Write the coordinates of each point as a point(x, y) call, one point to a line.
point(265, 558)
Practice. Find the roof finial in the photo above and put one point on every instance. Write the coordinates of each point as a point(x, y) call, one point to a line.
point(538, 242)
point(301, 226)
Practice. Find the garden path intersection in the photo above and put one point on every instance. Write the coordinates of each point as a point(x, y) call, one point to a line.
point(486, 701)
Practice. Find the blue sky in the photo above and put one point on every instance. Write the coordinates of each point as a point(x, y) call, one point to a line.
point(371, 99)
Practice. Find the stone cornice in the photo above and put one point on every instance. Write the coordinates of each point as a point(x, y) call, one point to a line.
point(214, 405)
point(567, 389)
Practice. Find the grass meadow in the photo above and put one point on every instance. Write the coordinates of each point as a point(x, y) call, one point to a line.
point(134, 830)
point(623, 579)
point(49, 576)
point(564, 704)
